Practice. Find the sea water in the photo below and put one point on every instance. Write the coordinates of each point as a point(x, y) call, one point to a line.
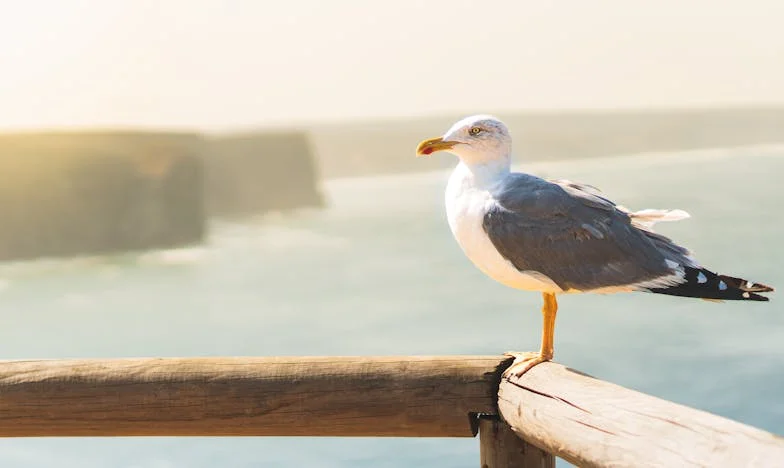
point(379, 273)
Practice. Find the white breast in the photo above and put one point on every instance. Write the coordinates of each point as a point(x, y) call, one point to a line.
point(465, 208)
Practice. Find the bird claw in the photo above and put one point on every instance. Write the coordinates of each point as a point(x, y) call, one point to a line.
point(523, 362)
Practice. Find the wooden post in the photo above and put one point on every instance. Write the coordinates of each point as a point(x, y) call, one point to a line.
point(499, 447)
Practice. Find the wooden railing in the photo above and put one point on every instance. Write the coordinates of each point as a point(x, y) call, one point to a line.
point(523, 422)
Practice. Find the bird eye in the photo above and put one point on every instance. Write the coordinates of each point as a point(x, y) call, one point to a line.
point(474, 131)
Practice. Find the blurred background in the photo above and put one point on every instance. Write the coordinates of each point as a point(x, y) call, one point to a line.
point(205, 178)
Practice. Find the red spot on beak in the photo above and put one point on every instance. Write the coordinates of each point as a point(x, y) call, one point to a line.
point(427, 151)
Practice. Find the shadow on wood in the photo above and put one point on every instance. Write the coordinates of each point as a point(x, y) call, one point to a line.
point(499, 447)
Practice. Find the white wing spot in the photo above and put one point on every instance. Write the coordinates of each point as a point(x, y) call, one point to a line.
point(746, 295)
point(722, 286)
point(701, 278)
point(749, 284)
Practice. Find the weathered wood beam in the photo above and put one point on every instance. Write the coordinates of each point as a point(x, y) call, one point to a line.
point(283, 396)
point(592, 423)
point(586, 421)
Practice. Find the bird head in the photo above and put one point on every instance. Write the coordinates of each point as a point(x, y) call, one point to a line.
point(479, 139)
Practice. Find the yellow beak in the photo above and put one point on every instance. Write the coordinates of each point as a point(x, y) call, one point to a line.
point(428, 147)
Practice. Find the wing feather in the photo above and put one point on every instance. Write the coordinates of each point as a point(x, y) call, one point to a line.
point(577, 237)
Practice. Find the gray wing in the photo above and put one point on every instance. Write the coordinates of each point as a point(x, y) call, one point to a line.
point(576, 237)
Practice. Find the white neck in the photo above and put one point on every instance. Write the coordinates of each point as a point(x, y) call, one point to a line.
point(488, 172)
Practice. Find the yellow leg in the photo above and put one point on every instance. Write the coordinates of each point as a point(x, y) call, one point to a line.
point(525, 361)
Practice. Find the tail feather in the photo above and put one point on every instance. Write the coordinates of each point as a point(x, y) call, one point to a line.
point(647, 218)
point(705, 284)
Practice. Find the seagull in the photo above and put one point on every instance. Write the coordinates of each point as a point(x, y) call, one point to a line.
point(561, 237)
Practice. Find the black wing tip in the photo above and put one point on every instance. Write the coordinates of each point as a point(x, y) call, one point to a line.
point(746, 285)
point(757, 297)
point(704, 284)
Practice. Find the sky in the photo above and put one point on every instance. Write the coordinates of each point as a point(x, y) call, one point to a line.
point(222, 64)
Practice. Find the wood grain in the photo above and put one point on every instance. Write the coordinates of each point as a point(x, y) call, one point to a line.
point(563, 412)
point(283, 396)
point(500, 447)
point(592, 423)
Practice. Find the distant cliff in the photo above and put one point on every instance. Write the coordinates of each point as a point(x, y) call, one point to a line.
point(73, 193)
point(70, 193)
point(66, 194)
point(363, 148)
point(259, 172)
